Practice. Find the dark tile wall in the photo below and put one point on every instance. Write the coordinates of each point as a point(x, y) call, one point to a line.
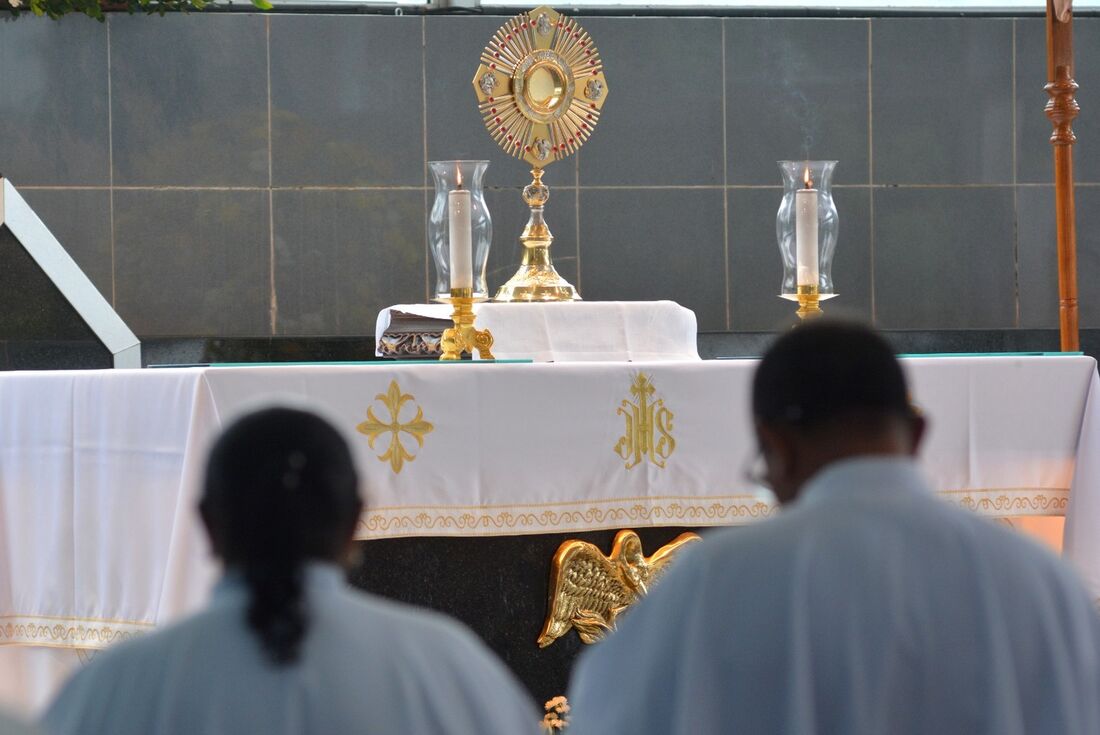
point(252, 176)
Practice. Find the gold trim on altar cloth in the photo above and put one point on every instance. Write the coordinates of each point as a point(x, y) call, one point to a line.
point(648, 431)
point(66, 632)
point(589, 590)
point(1011, 501)
point(673, 510)
point(396, 453)
point(561, 517)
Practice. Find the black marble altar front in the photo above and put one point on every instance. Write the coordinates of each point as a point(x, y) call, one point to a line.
point(497, 585)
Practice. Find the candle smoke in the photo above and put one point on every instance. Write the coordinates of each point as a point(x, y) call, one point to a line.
point(796, 67)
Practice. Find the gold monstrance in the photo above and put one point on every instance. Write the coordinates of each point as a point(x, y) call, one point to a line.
point(540, 88)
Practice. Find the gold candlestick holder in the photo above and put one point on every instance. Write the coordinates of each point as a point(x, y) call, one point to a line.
point(463, 337)
point(808, 302)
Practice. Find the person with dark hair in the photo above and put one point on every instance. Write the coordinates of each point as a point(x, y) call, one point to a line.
point(867, 606)
point(285, 646)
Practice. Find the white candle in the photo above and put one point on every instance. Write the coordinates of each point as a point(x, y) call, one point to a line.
point(460, 235)
point(805, 233)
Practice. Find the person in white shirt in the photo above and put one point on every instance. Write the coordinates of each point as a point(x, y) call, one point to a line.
point(285, 645)
point(868, 605)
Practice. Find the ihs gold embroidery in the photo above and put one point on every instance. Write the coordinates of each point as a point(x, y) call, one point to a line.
point(648, 434)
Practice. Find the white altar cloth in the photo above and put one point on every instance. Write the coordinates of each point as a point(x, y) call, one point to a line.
point(576, 331)
point(100, 470)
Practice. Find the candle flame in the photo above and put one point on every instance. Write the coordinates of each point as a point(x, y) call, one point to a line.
point(459, 178)
point(807, 179)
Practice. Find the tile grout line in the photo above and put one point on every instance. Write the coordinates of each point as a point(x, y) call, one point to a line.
point(111, 168)
point(558, 187)
point(424, 144)
point(1015, 191)
point(274, 299)
point(871, 165)
point(725, 189)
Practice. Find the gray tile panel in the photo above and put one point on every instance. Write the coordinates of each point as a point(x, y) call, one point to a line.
point(53, 102)
point(80, 219)
point(662, 124)
point(454, 126)
point(647, 244)
point(346, 101)
point(942, 100)
point(796, 88)
point(944, 258)
point(193, 263)
point(1038, 248)
point(1035, 158)
point(189, 100)
point(341, 256)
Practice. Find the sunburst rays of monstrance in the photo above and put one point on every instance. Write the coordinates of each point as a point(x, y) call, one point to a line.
point(540, 88)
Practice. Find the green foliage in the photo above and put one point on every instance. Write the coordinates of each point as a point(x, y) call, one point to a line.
point(95, 8)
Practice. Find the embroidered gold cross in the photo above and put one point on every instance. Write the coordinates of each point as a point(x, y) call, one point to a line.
point(648, 432)
point(396, 454)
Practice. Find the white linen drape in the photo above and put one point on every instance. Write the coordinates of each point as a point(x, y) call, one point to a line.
point(577, 331)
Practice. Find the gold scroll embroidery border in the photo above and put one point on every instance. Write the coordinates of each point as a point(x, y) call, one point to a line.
point(560, 517)
point(532, 518)
point(51, 631)
point(1011, 501)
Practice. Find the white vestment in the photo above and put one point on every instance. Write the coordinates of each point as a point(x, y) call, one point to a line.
point(367, 666)
point(867, 607)
point(11, 726)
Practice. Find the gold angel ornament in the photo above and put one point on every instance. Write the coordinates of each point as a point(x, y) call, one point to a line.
point(588, 590)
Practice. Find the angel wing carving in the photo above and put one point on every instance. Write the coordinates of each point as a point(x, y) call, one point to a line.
point(588, 590)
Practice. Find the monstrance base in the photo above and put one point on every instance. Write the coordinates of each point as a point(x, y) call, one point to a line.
point(537, 283)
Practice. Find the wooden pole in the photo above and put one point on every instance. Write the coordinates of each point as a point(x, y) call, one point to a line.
point(1062, 108)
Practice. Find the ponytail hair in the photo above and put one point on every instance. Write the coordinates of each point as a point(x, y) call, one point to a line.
point(281, 490)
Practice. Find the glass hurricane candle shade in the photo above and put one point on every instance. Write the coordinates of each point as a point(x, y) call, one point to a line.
point(806, 227)
point(446, 174)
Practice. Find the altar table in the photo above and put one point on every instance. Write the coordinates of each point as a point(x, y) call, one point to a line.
point(100, 470)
